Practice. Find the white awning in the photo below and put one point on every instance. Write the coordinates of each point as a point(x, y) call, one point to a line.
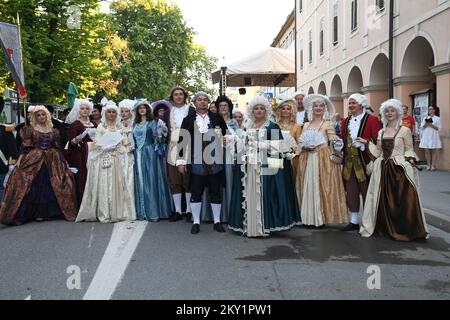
point(270, 67)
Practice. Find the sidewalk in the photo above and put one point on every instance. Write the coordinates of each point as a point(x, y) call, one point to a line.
point(435, 195)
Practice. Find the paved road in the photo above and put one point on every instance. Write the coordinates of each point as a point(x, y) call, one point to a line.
point(169, 263)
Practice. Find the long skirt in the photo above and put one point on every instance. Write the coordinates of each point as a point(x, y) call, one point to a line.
point(399, 214)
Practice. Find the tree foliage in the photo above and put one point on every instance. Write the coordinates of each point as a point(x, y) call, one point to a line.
point(141, 48)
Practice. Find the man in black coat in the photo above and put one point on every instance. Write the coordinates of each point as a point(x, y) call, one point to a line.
point(8, 151)
point(201, 155)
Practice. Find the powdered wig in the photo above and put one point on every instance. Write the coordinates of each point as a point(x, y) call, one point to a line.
point(258, 101)
point(74, 114)
point(299, 93)
point(127, 104)
point(361, 99)
point(397, 105)
point(34, 110)
point(313, 99)
point(201, 94)
point(110, 105)
point(236, 110)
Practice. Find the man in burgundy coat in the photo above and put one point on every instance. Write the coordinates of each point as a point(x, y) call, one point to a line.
point(357, 131)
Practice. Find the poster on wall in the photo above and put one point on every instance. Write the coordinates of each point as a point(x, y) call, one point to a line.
point(421, 104)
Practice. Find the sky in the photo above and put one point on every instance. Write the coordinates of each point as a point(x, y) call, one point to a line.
point(232, 30)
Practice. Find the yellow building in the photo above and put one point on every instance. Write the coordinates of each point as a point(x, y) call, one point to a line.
point(343, 48)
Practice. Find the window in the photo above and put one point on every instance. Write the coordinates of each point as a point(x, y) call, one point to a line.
point(335, 24)
point(301, 54)
point(322, 25)
point(381, 5)
point(310, 47)
point(300, 5)
point(354, 15)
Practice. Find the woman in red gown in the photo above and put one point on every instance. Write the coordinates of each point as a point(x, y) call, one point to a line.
point(80, 134)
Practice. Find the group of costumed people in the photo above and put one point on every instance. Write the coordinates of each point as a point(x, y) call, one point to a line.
point(259, 172)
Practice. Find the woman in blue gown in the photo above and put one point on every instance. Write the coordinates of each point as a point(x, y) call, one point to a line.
point(152, 194)
point(264, 199)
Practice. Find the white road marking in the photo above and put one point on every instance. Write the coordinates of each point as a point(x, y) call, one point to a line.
point(124, 241)
point(91, 238)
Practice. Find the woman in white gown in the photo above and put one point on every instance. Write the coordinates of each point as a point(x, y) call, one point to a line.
point(107, 197)
point(431, 141)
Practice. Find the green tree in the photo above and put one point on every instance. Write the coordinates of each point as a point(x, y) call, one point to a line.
point(161, 52)
point(199, 69)
point(56, 53)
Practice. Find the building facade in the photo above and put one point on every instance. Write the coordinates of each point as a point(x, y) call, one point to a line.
point(285, 39)
point(343, 48)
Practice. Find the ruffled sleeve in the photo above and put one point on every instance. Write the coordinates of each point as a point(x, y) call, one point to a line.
point(409, 147)
point(26, 134)
point(330, 131)
point(375, 149)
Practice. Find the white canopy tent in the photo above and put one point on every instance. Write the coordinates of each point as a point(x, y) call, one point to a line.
point(268, 68)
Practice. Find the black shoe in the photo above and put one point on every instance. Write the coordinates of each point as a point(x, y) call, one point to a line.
point(175, 217)
point(219, 228)
point(195, 229)
point(350, 227)
point(189, 217)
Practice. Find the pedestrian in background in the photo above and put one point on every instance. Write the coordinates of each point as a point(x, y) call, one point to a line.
point(431, 140)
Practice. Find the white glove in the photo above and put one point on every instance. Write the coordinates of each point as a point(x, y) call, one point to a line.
point(359, 145)
point(10, 168)
point(162, 129)
point(289, 156)
point(338, 145)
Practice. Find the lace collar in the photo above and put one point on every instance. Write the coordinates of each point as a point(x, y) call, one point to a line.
point(202, 123)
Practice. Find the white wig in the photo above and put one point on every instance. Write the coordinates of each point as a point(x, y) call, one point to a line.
point(111, 105)
point(237, 110)
point(74, 114)
point(397, 105)
point(201, 94)
point(361, 99)
point(313, 99)
point(299, 93)
point(258, 101)
point(126, 104)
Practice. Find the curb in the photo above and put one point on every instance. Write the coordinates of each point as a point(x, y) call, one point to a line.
point(438, 220)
